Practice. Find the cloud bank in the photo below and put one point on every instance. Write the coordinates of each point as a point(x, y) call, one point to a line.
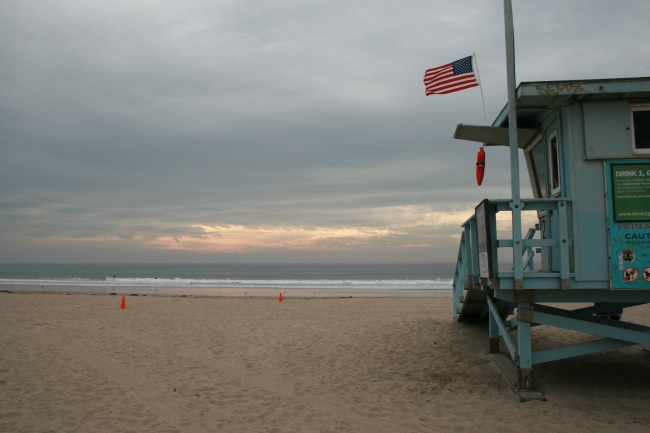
point(266, 131)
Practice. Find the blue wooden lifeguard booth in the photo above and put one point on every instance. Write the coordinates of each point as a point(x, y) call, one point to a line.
point(587, 149)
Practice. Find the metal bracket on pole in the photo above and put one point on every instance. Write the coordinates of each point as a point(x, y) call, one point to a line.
point(566, 283)
point(493, 346)
point(525, 380)
point(524, 296)
point(525, 315)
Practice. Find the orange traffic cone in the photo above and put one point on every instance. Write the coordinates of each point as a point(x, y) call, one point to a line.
point(123, 305)
point(280, 298)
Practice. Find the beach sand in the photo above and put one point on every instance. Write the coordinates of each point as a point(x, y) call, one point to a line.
point(77, 362)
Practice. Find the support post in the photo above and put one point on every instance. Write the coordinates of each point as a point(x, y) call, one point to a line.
point(519, 379)
point(524, 351)
point(565, 281)
point(493, 346)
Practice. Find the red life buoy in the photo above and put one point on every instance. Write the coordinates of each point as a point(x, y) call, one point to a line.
point(480, 166)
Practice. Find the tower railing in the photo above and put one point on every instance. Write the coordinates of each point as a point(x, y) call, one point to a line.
point(555, 229)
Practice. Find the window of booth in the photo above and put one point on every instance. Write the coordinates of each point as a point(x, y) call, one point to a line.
point(554, 163)
point(641, 128)
point(536, 161)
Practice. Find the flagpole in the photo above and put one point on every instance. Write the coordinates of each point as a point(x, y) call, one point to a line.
point(480, 85)
point(516, 203)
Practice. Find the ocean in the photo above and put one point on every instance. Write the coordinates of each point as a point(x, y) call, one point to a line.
point(375, 279)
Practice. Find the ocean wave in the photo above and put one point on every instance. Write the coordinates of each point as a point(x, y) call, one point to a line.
point(438, 284)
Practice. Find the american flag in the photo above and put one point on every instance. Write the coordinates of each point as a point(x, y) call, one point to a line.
point(451, 77)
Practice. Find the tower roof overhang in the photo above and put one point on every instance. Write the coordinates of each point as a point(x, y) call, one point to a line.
point(534, 98)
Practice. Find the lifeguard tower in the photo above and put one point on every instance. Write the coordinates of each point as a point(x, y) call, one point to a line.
point(587, 149)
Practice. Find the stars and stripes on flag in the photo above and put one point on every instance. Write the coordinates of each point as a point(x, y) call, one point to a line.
point(451, 77)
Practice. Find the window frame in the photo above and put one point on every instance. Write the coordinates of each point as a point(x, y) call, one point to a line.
point(532, 170)
point(554, 192)
point(633, 108)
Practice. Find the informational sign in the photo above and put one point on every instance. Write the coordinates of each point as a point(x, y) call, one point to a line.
point(484, 239)
point(631, 191)
point(628, 209)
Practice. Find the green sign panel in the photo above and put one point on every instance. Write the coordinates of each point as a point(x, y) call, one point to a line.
point(628, 203)
point(631, 192)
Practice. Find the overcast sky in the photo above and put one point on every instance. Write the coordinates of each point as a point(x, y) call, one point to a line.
point(275, 131)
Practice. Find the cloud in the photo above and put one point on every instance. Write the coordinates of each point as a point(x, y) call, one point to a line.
point(240, 239)
point(125, 128)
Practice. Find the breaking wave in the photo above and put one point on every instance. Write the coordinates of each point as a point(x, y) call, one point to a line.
point(108, 282)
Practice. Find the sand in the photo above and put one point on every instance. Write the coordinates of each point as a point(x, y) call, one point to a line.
point(77, 362)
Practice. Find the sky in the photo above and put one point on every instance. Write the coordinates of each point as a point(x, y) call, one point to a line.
point(268, 131)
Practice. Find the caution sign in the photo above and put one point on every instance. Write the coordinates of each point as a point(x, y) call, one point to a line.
point(628, 211)
point(628, 255)
point(630, 274)
point(646, 274)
